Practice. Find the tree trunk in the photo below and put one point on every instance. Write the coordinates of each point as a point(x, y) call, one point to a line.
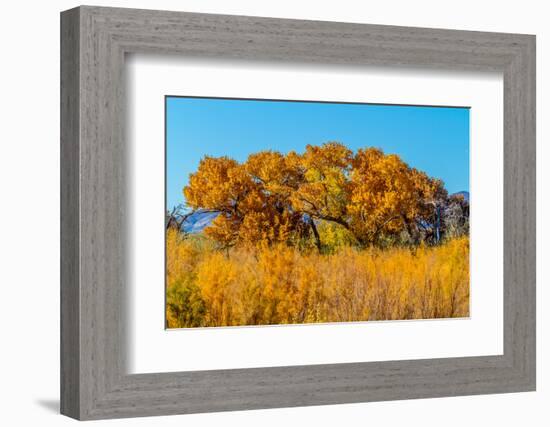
point(437, 223)
point(315, 233)
point(411, 233)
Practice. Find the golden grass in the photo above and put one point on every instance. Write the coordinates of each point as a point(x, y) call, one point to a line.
point(281, 285)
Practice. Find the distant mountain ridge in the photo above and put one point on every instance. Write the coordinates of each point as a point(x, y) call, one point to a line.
point(198, 221)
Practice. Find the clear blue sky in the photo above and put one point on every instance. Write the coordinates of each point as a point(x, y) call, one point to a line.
point(433, 139)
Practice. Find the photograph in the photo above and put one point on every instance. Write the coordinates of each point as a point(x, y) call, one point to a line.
point(297, 212)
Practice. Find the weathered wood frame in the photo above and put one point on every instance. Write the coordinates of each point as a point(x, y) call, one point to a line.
point(94, 41)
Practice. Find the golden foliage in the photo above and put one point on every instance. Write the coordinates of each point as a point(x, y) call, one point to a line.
point(388, 196)
point(275, 198)
point(279, 284)
point(299, 238)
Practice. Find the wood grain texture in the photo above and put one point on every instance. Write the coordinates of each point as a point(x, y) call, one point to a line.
point(94, 382)
point(70, 291)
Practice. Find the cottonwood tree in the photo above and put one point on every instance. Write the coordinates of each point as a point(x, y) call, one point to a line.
point(324, 190)
point(273, 197)
point(250, 198)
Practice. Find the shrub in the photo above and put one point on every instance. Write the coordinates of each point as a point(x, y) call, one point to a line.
point(280, 284)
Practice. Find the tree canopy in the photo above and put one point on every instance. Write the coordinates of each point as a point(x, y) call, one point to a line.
point(284, 198)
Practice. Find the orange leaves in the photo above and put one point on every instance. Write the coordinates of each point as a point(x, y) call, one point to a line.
point(223, 229)
point(327, 156)
point(217, 279)
point(279, 284)
point(214, 183)
point(388, 196)
point(324, 192)
point(265, 226)
point(277, 198)
point(273, 171)
point(256, 263)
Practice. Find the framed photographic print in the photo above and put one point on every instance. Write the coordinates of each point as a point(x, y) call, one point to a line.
point(262, 213)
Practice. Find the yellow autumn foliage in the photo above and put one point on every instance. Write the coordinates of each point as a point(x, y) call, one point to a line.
point(280, 284)
point(279, 198)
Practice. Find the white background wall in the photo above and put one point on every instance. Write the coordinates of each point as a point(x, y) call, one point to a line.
point(29, 213)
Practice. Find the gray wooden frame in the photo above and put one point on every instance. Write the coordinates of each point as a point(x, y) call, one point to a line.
point(94, 382)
